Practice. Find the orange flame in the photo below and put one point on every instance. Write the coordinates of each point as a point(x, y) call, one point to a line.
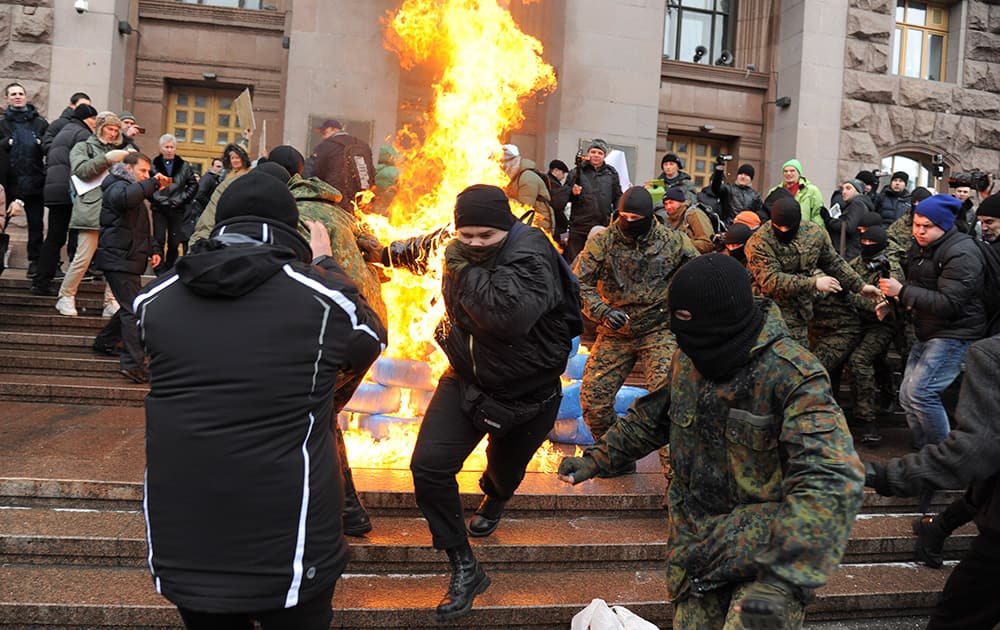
point(484, 68)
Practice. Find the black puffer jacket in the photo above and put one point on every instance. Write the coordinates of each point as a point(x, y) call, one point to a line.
point(943, 285)
point(892, 205)
point(734, 198)
point(845, 227)
point(22, 170)
point(174, 198)
point(503, 328)
point(125, 244)
point(243, 492)
point(55, 127)
point(57, 169)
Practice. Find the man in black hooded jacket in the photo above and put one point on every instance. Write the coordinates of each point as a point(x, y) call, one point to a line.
point(246, 339)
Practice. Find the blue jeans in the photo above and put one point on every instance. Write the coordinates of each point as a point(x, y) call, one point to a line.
point(930, 369)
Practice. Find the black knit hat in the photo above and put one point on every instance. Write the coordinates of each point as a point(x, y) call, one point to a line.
point(746, 169)
point(876, 234)
point(559, 164)
point(786, 212)
point(903, 175)
point(672, 157)
point(288, 157)
point(260, 195)
point(674, 194)
point(778, 193)
point(738, 234)
point(636, 200)
point(721, 319)
point(990, 207)
point(84, 111)
point(919, 194)
point(866, 177)
point(483, 205)
point(870, 219)
point(275, 170)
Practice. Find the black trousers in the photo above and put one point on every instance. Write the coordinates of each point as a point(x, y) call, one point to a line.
point(314, 614)
point(168, 231)
point(124, 325)
point(969, 600)
point(446, 438)
point(34, 211)
point(55, 238)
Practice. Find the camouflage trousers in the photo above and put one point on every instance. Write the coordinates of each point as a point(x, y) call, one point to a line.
point(611, 360)
point(832, 342)
point(875, 342)
point(715, 610)
point(798, 327)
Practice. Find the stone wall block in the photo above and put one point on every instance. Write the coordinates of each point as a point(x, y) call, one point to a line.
point(5, 20)
point(27, 62)
point(955, 132)
point(978, 16)
point(982, 46)
point(980, 75)
point(855, 114)
point(929, 95)
point(882, 131)
point(923, 124)
point(977, 103)
point(866, 56)
point(885, 7)
point(33, 26)
point(870, 88)
point(988, 134)
point(993, 25)
point(858, 146)
point(869, 26)
point(903, 121)
point(982, 158)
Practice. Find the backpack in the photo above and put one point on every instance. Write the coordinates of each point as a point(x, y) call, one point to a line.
point(354, 164)
point(571, 307)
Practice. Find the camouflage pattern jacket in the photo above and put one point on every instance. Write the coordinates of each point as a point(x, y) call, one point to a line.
point(900, 235)
point(784, 273)
point(317, 201)
point(851, 308)
point(631, 275)
point(766, 480)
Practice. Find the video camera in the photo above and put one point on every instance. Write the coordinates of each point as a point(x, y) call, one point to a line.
point(722, 158)
point(973, 179)
point(880, 264)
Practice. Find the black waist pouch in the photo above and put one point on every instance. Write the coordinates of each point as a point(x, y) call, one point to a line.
point(494, 416)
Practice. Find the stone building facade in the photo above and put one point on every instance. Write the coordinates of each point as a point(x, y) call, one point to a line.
point(26, 31)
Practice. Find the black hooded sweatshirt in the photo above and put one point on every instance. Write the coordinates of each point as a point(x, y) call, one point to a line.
point(243, 491)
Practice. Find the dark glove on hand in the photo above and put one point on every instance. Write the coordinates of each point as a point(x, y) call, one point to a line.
point(370, 248)
point(577, 468)
point(767, 606)
point(877, 477)
point(615, 319)
point(454, 262)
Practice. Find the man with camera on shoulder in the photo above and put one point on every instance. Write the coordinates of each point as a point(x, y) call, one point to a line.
point(736, 197)
point(942, 290)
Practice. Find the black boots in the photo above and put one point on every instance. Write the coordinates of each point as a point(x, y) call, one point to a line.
point(487, 517)
point(356, 520)
point(930, 541)
point(467, 580)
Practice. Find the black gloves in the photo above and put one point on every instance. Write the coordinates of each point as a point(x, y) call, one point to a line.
point(577, 469)
point(767, 606)
point(877, 478)
point(615, 319)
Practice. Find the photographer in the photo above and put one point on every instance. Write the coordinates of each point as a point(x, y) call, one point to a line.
point(894, 200)
point(962, 185)
point(735, 198)
point(944, 279)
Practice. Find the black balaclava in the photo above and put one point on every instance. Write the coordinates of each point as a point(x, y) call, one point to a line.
point(482, 205)
point(636, 200)
point(738, 234)
point(879, 238)
point(724, 321)
point(786, 212)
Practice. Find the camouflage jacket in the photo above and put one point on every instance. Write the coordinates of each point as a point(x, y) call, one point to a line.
point(900, 238)
point(617, 272)
point(766, 479)
point(317, 201)
point(852, 309)
point(784, 273)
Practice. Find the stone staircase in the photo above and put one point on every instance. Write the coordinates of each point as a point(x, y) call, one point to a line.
point(72, 536)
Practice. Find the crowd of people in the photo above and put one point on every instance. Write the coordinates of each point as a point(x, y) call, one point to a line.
point(745, 309)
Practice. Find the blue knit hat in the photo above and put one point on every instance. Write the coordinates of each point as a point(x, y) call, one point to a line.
point(940, 210)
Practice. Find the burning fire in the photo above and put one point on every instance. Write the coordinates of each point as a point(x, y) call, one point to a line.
point(485, 66)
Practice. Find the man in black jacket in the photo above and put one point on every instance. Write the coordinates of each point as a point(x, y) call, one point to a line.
point(170, 205)
point(595, 189)
point(894, 200)
point(968, 459)
point(123, 250)
point(22, 171)
point(56, 195)
point(943, 291)
point(342, 160)
point(78, 98)
point(246, 339)
point(737, 197)
point(507, 337)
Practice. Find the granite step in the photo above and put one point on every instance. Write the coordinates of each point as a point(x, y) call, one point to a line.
point(101, 597)
point(111, 390)
point(52, 322)
point(46, 342)
point(29, 304)
point(531, 541)
point(58, 362)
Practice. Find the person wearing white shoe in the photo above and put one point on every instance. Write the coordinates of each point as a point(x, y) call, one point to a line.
point(66, 305)
point(110, 308)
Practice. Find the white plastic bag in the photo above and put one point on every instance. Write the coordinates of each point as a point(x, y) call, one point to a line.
point(599, 616)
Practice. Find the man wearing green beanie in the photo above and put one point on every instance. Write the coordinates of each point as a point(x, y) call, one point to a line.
point(805, 192)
